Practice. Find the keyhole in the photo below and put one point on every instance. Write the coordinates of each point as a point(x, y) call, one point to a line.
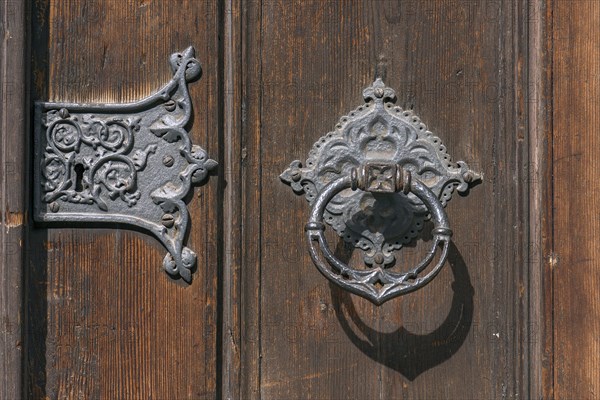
point(79, 169)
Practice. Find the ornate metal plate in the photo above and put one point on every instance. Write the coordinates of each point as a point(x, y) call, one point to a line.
point(123, 163)
point(381, 218)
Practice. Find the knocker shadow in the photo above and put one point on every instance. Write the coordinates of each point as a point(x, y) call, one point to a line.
point(403, 351)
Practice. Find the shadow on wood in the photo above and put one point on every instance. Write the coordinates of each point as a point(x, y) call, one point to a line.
point(403, 351)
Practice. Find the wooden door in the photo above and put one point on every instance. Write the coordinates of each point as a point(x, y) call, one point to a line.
point(510, 87)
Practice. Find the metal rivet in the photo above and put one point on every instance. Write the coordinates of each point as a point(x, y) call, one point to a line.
point(378, 258)
point(468, 176)
point(63, 113)
point(54, 207)
point(379, 92)
point(170, 105)
point(296, 175)
point(168, 220)
point(168, 161)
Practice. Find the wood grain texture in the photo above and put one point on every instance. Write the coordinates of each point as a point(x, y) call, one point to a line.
point(251, 165)
point(540, 73)
point(104, 320)
point(13, 178)
point(231, 188)
point(509, 86)
point(461, 66)
point(576, 265)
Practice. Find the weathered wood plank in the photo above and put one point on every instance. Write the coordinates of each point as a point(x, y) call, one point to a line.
point(251, 163)
point(104, 320)
point(13, 178)
point(231, 183)
point(540, 198)
point(461, 66)
point(575, 262)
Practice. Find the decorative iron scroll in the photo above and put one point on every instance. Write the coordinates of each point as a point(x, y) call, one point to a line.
point(375, 142)
point(124, 163)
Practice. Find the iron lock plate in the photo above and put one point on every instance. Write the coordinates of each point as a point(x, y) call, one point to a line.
point(128, 164)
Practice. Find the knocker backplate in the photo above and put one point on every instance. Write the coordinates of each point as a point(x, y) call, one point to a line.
point(123, 163)
point(378, 133)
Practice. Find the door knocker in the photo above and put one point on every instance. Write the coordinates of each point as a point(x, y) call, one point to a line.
point(375, 180)
point(123, 163)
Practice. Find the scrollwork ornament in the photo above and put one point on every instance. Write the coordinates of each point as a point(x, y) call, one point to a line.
point(107, 163)
point(387, 139)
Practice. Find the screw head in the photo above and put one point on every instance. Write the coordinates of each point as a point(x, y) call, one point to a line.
point(170, 105)
point(296, 175)
point(378, 258)
point(379, 92)
point(54, 207)
point(168, 220)
point(168, 161)
point(63, 113)
point(468, 177)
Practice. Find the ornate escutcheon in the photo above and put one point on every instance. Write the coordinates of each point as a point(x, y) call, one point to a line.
point(375, 180)
point(123, 163)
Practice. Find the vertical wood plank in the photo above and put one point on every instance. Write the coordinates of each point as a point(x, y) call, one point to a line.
point(104, 320)
point(251, 163)
point(575, 262)
point(313, 69)
point(540, 198)
point(231, 184)
point(462, 66)
point(13, 178)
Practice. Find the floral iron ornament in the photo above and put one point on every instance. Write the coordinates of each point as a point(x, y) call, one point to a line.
point(375, 180)
point(124, 163)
